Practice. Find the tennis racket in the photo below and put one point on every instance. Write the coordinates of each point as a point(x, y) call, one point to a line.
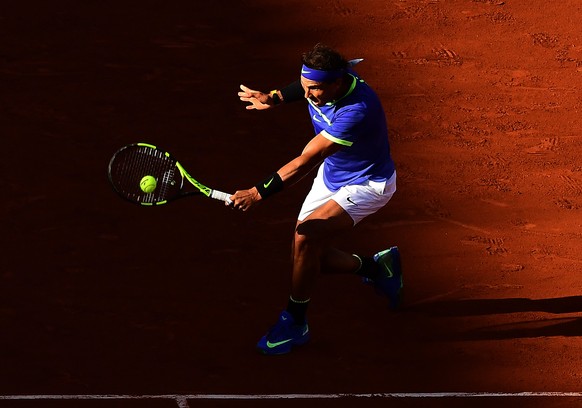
point(145, 175)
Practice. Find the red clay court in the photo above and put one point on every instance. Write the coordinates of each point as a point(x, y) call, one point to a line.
point(106, 304)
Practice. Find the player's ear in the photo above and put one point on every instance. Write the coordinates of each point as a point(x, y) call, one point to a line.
point(337, 84)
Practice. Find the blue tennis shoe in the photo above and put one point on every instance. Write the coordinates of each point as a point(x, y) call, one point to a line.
point(283, 336)
point(389, 283)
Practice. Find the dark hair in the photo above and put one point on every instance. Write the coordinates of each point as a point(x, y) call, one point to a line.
point(324, 58)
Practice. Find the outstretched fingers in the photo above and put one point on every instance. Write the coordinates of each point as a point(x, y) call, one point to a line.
point(256, 99)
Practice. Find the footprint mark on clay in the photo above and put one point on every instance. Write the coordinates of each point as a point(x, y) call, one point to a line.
point(572, 184)
point(546, 145)
point(400, 54)
point(541, 253)
point(447, 56)
point(493, 246)
point(566, 204)
point(341, 9)
point(435, 208)
point(495, 161)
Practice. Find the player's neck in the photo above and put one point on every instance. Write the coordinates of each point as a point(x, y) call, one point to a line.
point(344, 88)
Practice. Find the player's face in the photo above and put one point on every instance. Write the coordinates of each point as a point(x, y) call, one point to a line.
point(320, 93)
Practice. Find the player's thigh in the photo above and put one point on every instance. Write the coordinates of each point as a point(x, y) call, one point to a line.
point(325, 222)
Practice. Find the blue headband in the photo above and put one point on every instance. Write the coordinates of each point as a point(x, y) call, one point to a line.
point(321, 76)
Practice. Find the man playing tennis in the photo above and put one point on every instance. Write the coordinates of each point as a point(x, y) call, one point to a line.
point(356, 177)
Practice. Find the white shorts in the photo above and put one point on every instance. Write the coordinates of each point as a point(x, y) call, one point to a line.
point(358, 201)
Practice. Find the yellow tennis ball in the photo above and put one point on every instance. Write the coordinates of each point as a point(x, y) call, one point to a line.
point(148, 184)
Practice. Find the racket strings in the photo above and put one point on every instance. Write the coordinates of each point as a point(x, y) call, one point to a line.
point(152, 161)
point(166, 182)
point(131, 164)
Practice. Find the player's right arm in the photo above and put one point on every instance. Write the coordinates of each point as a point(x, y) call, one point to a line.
point(313, 154)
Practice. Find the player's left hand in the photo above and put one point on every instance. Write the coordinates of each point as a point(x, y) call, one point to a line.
point(258, 100)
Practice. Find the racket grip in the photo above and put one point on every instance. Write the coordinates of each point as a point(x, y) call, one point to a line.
point(219, 195)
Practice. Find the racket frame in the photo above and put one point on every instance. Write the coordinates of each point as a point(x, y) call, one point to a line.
point(202, 189)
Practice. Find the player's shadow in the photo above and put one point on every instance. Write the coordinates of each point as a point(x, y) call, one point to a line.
point(475, 307)
point(535, 327)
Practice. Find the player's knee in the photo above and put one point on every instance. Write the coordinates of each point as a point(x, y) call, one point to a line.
point(304, 231)
point(304, 244)
point(308, 234)
point(301, 239)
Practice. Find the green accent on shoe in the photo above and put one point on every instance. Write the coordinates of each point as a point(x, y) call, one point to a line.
point(277, 343)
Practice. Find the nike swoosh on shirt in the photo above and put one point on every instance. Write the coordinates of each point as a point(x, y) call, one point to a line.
point(315, 119)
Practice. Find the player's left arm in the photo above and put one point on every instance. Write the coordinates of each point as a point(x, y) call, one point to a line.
point(260, 100)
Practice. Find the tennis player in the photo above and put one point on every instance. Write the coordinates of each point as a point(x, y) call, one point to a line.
point(355, 178)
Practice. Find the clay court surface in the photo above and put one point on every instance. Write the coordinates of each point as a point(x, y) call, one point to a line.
point(100, 297)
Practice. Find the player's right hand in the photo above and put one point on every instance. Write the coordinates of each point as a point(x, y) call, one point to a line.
point(243, 200)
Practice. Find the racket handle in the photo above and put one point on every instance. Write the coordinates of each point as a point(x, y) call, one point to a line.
point(219, 195)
